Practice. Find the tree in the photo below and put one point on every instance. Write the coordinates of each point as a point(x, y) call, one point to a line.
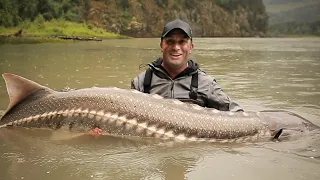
point(8, 13)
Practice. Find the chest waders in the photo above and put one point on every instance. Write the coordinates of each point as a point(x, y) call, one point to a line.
point(193, 94)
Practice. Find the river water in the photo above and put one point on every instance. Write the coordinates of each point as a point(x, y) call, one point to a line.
point(259, 74)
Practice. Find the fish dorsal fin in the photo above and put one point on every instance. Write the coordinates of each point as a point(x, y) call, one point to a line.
point(19, 88)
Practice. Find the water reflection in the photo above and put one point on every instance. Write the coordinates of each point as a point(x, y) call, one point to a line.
point(89, 158)
point(29, 154)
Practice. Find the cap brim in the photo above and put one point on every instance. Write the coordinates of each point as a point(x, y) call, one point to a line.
point(164, 35)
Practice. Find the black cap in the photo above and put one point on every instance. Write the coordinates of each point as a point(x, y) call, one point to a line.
point(176, 24)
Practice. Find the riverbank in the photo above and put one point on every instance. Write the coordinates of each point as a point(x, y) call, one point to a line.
point(41, 31)
point(295, 36)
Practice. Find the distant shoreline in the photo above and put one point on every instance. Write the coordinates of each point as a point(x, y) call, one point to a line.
point(50, 39)
point(59, 31)
point(54, 31)
point(296, 36)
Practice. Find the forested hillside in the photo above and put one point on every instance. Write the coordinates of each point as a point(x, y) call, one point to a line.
point(145, 18)
point(13, 12)
point(296, 17)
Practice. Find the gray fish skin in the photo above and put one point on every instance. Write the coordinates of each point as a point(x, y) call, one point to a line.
point(130, 112)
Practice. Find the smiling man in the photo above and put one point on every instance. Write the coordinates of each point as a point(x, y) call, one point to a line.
point(175, 76)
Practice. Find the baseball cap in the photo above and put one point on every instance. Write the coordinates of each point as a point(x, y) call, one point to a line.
point(177, 24)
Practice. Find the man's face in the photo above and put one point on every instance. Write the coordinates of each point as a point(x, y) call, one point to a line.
point(176, 48)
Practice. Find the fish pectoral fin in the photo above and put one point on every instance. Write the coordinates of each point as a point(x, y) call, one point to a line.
point(60, 135)
point(277, 133)
point(95, 132)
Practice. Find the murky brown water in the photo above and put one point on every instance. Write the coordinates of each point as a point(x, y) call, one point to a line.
point(259, 74)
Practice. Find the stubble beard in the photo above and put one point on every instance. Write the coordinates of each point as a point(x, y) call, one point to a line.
point(175, 64)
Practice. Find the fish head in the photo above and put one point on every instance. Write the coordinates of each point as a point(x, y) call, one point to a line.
point(285, 125)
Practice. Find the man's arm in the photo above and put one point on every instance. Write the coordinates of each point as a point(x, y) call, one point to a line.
point(133, 84)
point(218, 99)
point(137, 82)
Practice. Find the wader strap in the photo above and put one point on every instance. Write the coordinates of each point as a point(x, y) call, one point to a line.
point(194, 87)
point(147, 81)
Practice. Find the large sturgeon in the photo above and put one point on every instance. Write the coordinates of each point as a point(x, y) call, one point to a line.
point(130, 112)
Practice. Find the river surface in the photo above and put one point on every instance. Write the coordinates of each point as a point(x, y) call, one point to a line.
point(259, 74)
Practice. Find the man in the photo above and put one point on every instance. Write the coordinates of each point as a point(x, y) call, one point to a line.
point(176, 76)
